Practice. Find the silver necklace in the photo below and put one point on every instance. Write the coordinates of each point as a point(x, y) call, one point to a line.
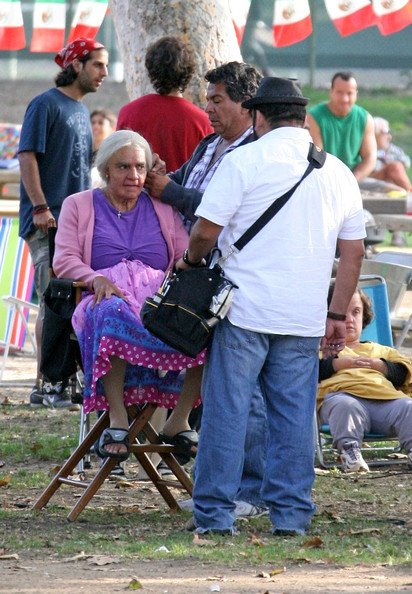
point(110, 201)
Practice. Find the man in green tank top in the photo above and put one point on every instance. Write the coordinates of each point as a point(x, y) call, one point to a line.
point(343, 128)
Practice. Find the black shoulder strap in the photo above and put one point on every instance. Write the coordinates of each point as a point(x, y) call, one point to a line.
point(316, 158)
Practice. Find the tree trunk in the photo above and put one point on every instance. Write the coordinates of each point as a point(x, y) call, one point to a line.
point(205, 24)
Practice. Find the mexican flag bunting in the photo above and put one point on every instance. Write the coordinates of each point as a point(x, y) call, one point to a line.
point(49, 23)
point(87, 19)
point(239, 10)
point(393, 15)
point(351, 15)
point(11, 25)
point(291, 22)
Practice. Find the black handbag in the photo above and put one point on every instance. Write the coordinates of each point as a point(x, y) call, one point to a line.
point(60, 354)
point(189, 303)
point(187, 306)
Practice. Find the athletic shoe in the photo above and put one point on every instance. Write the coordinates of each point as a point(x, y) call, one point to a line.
point(282, 532)
point(60, 401)
point(243, 509)
point(52, 389)
point(190, 526)
point(351, 458)
point(410, 459)
point(36, 397)
point(57, 396)
point(166, 472)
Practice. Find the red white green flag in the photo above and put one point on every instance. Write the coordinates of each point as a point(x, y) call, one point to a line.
point(350, 16)
point(11, 26)
point(87, 19)
point(239, 10)
point(393, 15)
point(49, 24)
point(291, 22)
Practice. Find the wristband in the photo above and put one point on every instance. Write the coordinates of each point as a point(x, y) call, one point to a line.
point(335, 316)
point(39, 208)
point(186, 260)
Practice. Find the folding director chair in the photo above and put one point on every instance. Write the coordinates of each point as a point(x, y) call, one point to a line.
point(140, 425)
point(397, 272)
point(16, 289)
point(141, 429)
point(379, 330)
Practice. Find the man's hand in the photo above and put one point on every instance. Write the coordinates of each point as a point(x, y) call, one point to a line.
point(158, 165)
point(335, 337)
point(180, 265)
point(103, 289)
point(156, 183)
point(44, 220)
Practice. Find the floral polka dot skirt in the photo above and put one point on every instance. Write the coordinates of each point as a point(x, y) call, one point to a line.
point(112, 329)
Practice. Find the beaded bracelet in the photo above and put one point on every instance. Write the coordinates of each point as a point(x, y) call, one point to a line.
point(39, 208)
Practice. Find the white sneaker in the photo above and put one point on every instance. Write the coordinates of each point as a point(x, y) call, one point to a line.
point(243, 509)
point(351, 458)
point(410, 459)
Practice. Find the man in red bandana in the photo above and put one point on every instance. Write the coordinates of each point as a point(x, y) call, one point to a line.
point(55, 159)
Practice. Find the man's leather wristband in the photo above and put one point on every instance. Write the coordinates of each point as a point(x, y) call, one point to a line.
point(186, 260)
point(335, 316)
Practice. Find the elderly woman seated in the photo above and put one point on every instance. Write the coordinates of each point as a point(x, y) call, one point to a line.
point(392, 162)
point(120, 242)
point(365, 389)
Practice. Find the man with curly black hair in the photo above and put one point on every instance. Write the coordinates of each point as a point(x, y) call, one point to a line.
point(229, 85)
point(170, 123)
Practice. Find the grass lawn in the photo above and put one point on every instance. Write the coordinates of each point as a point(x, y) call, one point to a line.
point(361, 519)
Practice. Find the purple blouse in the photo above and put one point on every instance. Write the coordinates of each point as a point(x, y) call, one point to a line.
point(132, 235)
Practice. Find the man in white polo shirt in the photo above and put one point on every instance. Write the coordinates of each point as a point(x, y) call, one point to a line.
point(279, 315)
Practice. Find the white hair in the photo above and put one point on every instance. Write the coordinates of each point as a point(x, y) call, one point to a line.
point(380, 125)
point(116, 141)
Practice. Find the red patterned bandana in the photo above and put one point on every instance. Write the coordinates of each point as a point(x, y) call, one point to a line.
point(79, 48)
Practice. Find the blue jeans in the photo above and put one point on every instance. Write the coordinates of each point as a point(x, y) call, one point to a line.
point(256, 443)
point(287, 369)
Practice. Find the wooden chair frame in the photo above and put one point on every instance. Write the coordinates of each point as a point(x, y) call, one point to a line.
point(140, 424)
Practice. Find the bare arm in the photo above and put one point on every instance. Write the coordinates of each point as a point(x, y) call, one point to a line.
point(29, 171)
point(351, 255)
point(314, 131)
point(367, 151)
point(30, 177)
point(347, 275)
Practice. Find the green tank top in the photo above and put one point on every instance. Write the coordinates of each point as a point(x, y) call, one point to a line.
point(341, 137)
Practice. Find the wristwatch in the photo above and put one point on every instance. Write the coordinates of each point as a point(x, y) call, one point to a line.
point(189, 262)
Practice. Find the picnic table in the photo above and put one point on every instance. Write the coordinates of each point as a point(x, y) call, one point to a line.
point(9, 208)
point(10, 180)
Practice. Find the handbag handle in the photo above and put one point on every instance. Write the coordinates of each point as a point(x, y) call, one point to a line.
point(316, 158)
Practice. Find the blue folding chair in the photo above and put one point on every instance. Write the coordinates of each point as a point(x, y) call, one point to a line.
point(379, 330)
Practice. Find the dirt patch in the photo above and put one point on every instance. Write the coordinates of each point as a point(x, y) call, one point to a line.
point(28, 575)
